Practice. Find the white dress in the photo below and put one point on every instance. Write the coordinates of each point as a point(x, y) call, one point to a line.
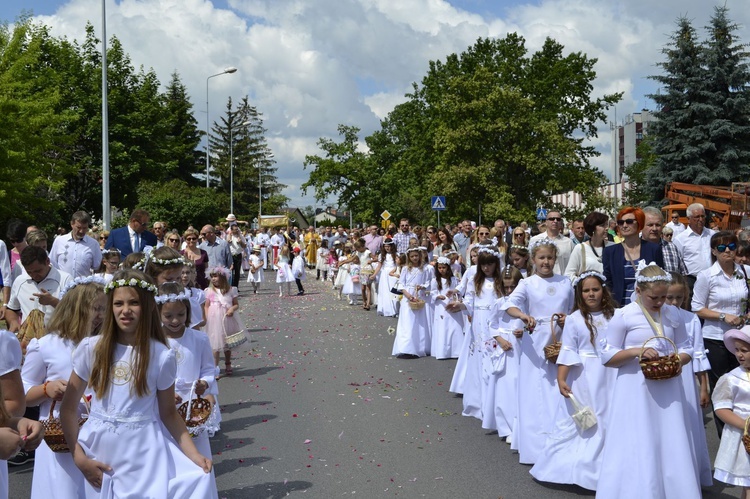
point(692, 393)
point(50, 358)
point(429, 275)
point(387, 301)
point(342, 274)
point(732, 392)
point(570, 455)
point(283, 270)
point(257, 276)
point(124, 432)
point(500, 404)
point(350, 287)
point(540, 298)
point(477, 380)
point(648, 448)
point(197, 299)
point(459, 373)
point(447, 327)
point(10, 361)
point(412, 333)
point(195, 361)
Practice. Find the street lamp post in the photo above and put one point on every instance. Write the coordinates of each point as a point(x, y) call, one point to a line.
point(208, 123)
point(106, 211)
point(231, 167)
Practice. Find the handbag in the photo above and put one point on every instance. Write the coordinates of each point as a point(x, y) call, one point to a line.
point(584, 416)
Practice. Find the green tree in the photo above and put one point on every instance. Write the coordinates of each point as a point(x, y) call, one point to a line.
point(183, 136)
point(181, 204)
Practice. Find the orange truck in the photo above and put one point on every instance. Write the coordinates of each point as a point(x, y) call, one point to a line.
point(726, 207)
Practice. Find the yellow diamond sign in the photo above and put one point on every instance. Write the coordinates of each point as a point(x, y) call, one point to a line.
point(385, 215)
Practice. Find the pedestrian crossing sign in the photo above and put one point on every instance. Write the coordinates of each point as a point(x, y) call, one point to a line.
point(438, 202)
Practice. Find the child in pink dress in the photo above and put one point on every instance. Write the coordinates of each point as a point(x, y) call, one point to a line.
point(221, 319)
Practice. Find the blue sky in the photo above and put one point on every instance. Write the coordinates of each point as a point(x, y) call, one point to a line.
point(309, 65)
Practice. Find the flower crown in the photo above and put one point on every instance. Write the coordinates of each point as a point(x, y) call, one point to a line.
point(82, 280)
point(518, 246)
point(486, 249)
point(416, 248)
point(173, 261)
point(133, 283)
point(443, 260)
point(219, 269)
point(641, 278)
point(590, 273)
point(110, 250)
point(162, 299)
point(545, 241)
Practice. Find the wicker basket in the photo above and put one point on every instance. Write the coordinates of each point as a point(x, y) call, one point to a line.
point(552, 351)
point(53, 432)
point(200, 410)
point(663, 367)
point(233, 340)
point(416, 304)
point(746, 436)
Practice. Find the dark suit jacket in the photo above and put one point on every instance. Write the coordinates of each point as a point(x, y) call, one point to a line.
point(613, 259)
point(120, 239)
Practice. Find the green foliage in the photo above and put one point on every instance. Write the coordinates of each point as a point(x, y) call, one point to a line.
point(637, 173)
point(180, 204)
point(702, 135)
point(491, 125)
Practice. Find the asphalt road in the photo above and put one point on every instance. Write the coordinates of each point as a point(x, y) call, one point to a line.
point(317, 407)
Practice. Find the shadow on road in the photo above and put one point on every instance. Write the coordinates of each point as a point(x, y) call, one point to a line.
point(239, 424)
point(230, 408)
point(268, 490)
point(230, 465)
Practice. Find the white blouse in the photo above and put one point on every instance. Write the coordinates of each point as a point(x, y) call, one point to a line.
point(718, 292)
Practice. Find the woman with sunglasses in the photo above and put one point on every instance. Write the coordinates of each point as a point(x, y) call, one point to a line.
point(720, 299)
point(620, 261)
point(197, 256)
point(103, 236)
point(520, 237)
point(173, 240)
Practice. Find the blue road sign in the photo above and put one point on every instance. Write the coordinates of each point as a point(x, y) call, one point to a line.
point(541, 214)
point(438, 203)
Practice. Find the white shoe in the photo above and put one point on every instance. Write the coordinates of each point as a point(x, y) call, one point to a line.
point(281, 295)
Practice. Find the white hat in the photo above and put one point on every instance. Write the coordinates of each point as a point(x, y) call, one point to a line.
point(231, 218)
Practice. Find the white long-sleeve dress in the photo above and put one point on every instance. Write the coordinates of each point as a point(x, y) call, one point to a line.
point(459, 373)
point(387, 301)
point(476, 383)
point(447, 327)
point(10, 361)
point(571, 455)
point(540, 298)
point(500, 404)
point(412, 330)
point(648, 450)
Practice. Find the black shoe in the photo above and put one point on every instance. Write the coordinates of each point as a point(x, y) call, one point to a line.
point(300, 293)
point(21, 458)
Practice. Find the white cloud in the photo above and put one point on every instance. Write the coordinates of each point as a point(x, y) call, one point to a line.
point(309, 65)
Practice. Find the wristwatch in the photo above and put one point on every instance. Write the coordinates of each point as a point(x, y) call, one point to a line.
point(722, 317)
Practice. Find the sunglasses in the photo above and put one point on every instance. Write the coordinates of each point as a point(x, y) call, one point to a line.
point(554, 219)
point(723, 247)
point(191, 238)
point(484, 233)
point(629, 221)
point(173, 240)
point(103, 238)
point(518, 234)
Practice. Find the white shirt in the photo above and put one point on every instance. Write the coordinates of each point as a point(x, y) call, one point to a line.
point(263, 239)
point(695, 249)
point(78, 258)
point(24, 287)
point(718, 292)
point(677, 228)
point(593, 260)
point(564, 249)
point(5, 265)
point(277, 240)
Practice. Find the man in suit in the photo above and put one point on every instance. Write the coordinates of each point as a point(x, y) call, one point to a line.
point(133, 237)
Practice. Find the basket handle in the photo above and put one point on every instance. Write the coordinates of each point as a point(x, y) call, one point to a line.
point(552, 321)
point(190, 401)
point(85, 403)
point(643, 348)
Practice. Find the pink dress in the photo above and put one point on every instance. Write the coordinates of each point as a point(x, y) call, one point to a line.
point(218, 325)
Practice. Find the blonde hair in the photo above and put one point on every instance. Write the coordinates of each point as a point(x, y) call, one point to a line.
point(72, 316)
point(652, 271)
point(148, 328)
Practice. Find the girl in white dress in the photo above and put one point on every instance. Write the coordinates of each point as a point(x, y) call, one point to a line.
point(572, 455)
point(255, 273)
point(110, 264)
point(342, 273)
point(321, 262)
point(284, 271)
point(447, 326)
point(482, 293)
point(197, 295)
point(501, 360)
point(45, 375)
point(731, 399)
point(412, 329)
point(429, 275)
point(535, 301)
point(352, 286)
point(387, 260)
point(122, 450)
point(459, 373)
point(695, 393)
point(648, 445)
point(192, 351)
point(519, 258)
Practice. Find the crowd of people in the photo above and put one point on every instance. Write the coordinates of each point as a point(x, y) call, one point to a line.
point(591, 347)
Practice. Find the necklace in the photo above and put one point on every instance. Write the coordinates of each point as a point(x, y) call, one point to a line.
point(629, 258)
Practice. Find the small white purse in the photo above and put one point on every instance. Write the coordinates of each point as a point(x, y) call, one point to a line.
point(584, 416)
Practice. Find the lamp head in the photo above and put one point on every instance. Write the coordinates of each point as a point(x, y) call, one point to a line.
point(230, 70)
